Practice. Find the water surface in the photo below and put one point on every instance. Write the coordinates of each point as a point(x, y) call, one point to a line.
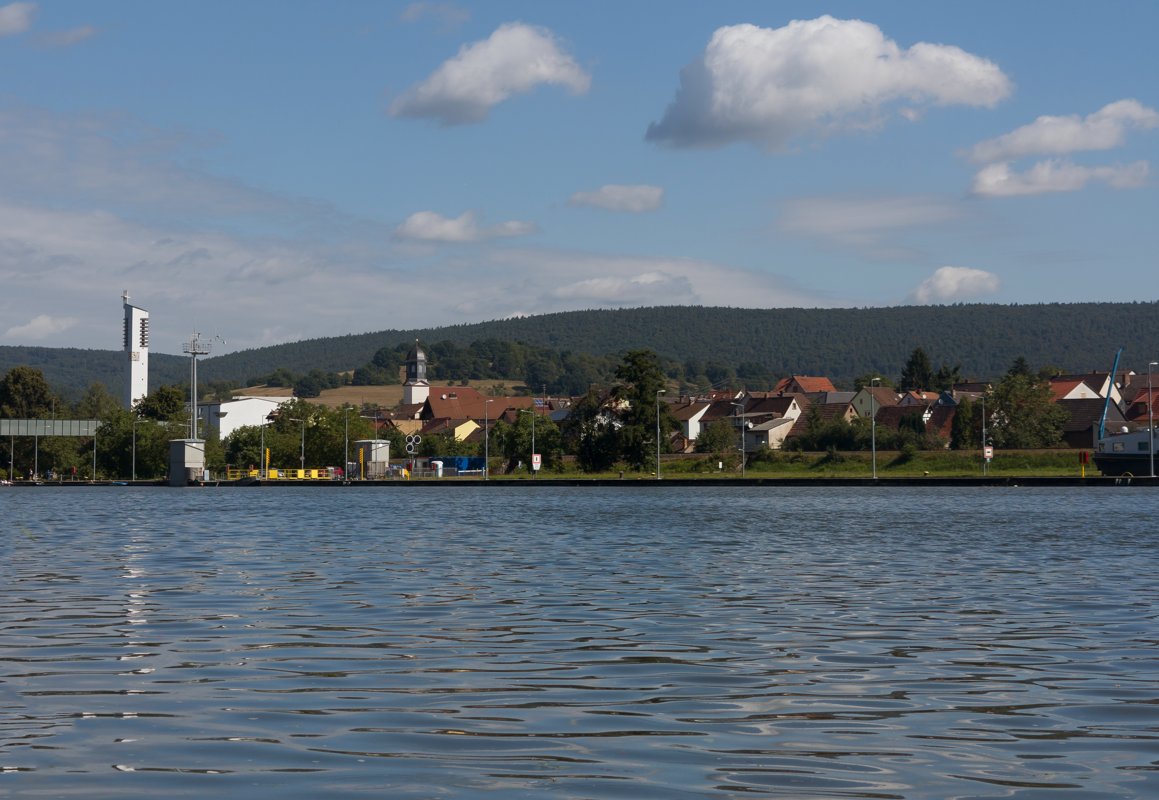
point(523, 642)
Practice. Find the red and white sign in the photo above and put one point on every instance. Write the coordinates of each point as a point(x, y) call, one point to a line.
point(988, 452)
point(536, 461)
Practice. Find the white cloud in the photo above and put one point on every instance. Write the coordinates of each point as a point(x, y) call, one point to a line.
point(771, 86)
point(69, 37)
point(955, 284)
point(999, 180)
point(16, 18)
point(615, 197)
point(875, 227)
point(114, 162)
point(1053, 136)
point(646, 288)
point(538, 281)
point(515, 59)
point(429, 226)
point(40, 327)
point(855, 218)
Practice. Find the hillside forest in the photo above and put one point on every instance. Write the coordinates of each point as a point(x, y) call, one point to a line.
point(699, 347)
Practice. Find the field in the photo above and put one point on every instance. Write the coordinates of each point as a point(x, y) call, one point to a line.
point(381, 396)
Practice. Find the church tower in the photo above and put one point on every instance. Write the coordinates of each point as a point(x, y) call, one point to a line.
point(136, 337)
point(416, 389)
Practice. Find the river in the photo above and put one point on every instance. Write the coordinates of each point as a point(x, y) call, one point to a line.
point(579, 642)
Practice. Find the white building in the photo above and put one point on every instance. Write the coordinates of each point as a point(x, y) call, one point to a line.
point(225, 418)
point(136, 339)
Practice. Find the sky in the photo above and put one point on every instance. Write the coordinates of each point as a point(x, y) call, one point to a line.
point(271, 171)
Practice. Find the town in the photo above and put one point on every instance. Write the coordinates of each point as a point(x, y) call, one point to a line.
point(641, 424)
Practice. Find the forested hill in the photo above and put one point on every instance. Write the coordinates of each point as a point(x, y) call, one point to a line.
point(841, 343)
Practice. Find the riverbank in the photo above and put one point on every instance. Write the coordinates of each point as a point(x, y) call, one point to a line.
point(921, 468)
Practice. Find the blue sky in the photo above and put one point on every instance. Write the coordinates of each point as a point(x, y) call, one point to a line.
point(271, 171)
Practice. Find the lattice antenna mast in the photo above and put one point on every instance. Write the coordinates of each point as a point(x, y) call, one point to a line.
point(196, 346)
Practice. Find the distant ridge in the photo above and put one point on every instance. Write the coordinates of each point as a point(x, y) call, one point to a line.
point(841, 343)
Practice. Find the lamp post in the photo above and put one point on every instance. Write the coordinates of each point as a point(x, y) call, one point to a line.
point(486, 438)
point(346, 434)
point(1150, 417)
point(985, 462)
point(740, 417)
point(873, 426)
point(136, 422)
point(531, 411)
point(658, 393)
point(302, 456)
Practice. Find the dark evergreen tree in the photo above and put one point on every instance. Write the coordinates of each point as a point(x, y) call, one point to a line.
point(640, 378)
point(918, 374)
point(965, 433)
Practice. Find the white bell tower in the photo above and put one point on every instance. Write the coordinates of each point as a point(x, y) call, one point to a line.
point(136, 339)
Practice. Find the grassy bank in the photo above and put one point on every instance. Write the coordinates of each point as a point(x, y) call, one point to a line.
point(890, 464)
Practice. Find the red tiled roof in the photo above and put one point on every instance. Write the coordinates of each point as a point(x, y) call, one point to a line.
point(805, 383)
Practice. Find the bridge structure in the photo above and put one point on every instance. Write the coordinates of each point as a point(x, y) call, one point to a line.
point(38, 429)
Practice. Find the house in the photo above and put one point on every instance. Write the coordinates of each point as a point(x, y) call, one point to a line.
point(1095, 384)
point(920, 399)
point(804, 384)
point(1138, 409)
point(227, 417)
point(460, 429)
point(688, 414)
point(936, 420)
point(1068, 388)
point(1081, 428)
point(872, 398)
point(823, 412)
point(769, 419)
point(771, 433)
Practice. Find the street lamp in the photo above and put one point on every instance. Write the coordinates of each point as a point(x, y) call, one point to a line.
point(985, 461)
point(531, 411)
point(302, 456)
point(1150, 416)
point(873, 426)
point(346, 434)
point(740, 416)
point(136, 422)
point(658, 393)
point(486, 437)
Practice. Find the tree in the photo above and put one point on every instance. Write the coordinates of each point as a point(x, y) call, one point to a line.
point(97, 403)
point(591, 435)
point(640, 378)
point(964, 430)
point(164, 404)
point(25, 394)
point(719, 438)
point(513, 441)
point(1024, 413)
point(1019, 367)
point(946, 377)
point(918, 374)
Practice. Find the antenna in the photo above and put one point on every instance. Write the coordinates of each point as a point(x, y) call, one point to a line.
point(195, 347)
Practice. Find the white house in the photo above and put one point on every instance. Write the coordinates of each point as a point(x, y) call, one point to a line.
point(227, 417)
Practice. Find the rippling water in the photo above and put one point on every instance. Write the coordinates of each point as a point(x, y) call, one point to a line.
point(652, 642)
